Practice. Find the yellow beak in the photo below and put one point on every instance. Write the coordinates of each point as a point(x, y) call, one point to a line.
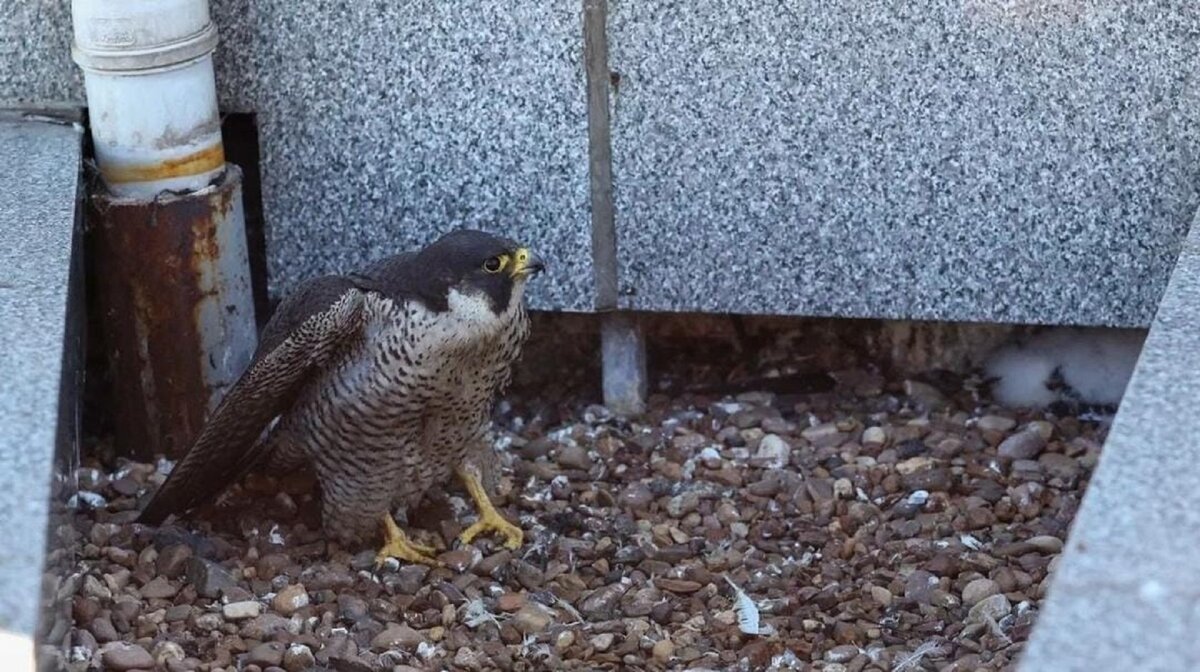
point(526, 263)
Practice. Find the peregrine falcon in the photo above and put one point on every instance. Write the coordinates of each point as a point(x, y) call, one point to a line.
point(383, 381)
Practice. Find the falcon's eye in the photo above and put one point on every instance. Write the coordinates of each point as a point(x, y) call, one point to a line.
point(494, 264)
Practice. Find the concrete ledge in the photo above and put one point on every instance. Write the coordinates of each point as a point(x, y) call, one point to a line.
point(1125, 595)
point(40, 344)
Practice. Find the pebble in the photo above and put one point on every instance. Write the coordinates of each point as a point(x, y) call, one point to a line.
point(167, 651)
point(104, 631)
point(824, 434)
point(510, 602)
point(208, 578)
point(1043, 429)
point(882, 596)
point(461, 559)
point(397, 636)
point(291, 599)
point(179, 612)
point(841, 654)
point(93, 587)
point(240, 611)
point(874, 436)
point(327, 577)
point(636, 496)
point(678, 585)
point(1057, 465)
point(1024, 445)
point(266, 654)
point(978, 590)
point(682, 504)
point(663, 651)
point(159, 589)
point(208, 622)
point(574, 457)
point(532, 619)
point(602, 642)
point(773, 451)
point(298, 658)
point(602, 602)
point(564, 640)
point(994, 608)
point(470, 659)
point(843, 489)
point(122, 656)
point(172, 561)
point(995, 423)
point(925, 394)
point(1046, 544)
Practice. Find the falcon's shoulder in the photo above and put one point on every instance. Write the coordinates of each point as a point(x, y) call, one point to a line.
point(309, 299)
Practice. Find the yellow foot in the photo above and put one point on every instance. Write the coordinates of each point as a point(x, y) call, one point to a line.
point(493, 522)
point(490, 520)
point(399, 546)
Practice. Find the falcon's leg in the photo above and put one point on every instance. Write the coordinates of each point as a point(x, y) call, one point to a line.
point(490, 520)
point(399, 546)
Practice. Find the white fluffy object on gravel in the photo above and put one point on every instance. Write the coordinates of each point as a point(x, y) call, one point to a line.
point(1095, 364)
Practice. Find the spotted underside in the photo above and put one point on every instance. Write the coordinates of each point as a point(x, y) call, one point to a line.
point(398, 411)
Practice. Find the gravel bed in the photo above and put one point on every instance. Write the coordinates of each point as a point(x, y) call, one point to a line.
point(881, 526)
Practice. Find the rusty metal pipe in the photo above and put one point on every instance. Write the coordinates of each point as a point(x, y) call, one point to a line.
point(173, 288)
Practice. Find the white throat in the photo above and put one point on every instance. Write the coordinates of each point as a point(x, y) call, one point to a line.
point(474, 308)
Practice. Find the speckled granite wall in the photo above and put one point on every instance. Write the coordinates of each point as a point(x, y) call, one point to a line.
point(983, 160)
point(384, 125)
point(965, 159)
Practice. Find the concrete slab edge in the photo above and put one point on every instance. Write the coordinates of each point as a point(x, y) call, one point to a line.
point(1124, 595)
point(41, 366)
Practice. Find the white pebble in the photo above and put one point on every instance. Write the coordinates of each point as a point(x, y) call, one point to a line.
point(239, 611)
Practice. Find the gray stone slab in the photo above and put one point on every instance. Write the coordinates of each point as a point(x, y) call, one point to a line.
point(1124, 596)
point(35, 55)
point(990, 161)
point(39, 168)
point(383, 126)
point(1021, 162)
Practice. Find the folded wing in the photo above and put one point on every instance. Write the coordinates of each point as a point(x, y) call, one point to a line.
point(310, 328)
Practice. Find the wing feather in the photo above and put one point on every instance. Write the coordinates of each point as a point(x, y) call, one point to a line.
point(308, 329)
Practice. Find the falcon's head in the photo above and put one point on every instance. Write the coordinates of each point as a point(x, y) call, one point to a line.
point(480, 276)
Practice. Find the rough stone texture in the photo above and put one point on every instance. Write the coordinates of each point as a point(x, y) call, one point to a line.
point(35, 54)
point(1123, 597)
point(1012, 161)
point(383, 126)
point(39, 165)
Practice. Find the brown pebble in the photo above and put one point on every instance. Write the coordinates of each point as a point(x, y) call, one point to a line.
point(401, 636)
point(172, 560)
point(122, 656)
point(510, 602)
point(159, 589)
point(266, 654)
point(291, 599)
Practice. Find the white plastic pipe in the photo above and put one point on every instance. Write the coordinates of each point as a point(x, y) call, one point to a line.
point(151, 92)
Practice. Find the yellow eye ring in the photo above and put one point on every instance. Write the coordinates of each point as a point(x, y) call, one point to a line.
point(495, 264)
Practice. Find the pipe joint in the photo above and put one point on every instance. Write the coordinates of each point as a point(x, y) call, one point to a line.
point(151, 91)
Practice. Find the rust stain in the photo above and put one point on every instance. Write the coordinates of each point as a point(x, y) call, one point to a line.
point(202, 161)
point(150, 260)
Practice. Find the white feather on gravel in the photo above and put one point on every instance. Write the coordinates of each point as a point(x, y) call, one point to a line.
point(747, 613)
